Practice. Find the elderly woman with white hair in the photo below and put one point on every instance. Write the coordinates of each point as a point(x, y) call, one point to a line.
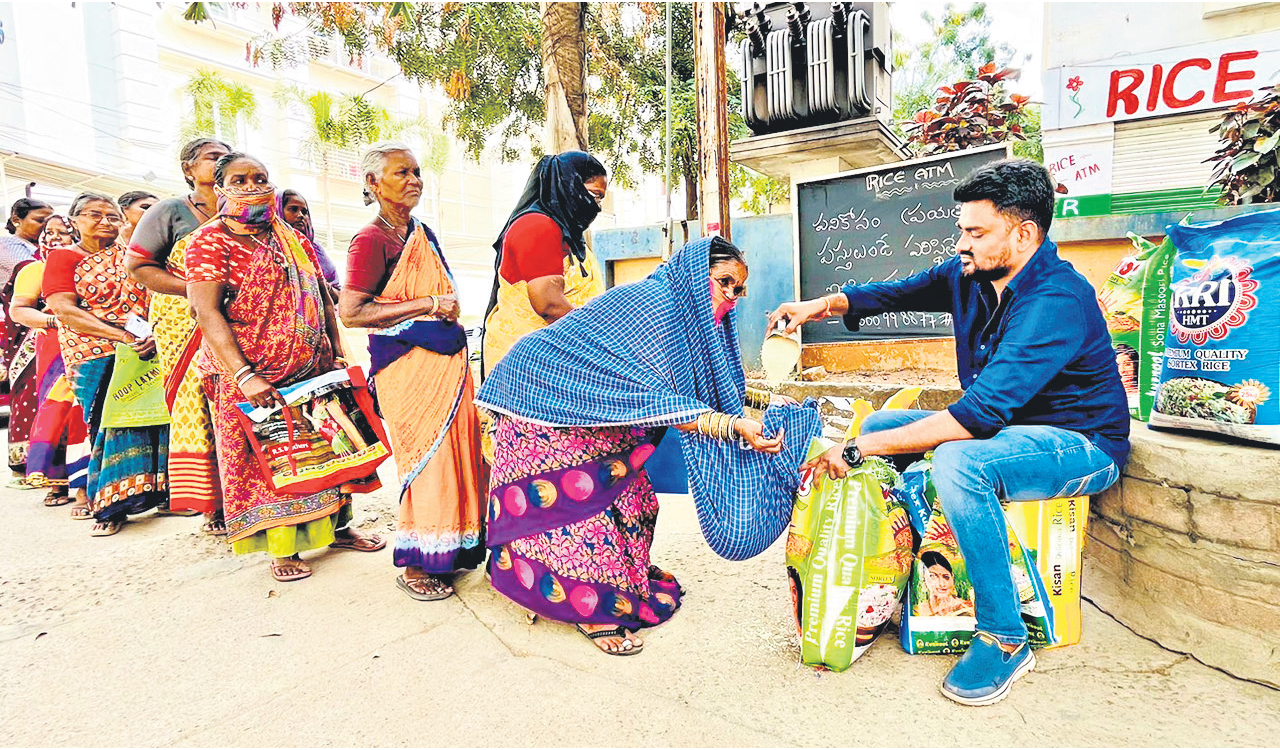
point(399, 286)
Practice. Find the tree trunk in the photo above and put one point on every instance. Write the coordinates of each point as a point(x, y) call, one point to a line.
point(691, 197)
point(564, 68)
point(712, 126)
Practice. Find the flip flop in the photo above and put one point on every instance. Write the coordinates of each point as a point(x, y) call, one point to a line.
point(303, 572)
point(171, 512)
point(81, 513)
point(443, 590)
point(108, 529)
point(618, 632)
point(216, 527)
point(371, 543)
point(57, 500)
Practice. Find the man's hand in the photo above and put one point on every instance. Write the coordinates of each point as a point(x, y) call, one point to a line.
point(797, 314)
point(830, 463)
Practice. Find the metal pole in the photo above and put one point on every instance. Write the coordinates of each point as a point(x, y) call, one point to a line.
point(713, 118)
point(666, 170)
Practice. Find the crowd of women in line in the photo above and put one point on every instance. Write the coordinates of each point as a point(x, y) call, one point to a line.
point(542, 468)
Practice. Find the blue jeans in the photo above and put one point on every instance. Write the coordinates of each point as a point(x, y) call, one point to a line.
point(974, 476)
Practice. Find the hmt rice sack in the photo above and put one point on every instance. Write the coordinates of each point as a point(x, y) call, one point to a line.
point(1135, 303)
point(848, 555)
point(1045, 542)
point(1222, 351)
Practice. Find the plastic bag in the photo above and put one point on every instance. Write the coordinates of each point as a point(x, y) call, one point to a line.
point(1046, 539)
point(848, 555)
point(1135, 303)
point(1222, 351)
point(327, 436)
point(135, 394)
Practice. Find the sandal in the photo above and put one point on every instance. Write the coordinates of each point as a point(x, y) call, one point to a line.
point(627, 648)
point(215, 527)
point(359, 542)
point(81, 513)
point(21, 483)
point(55, 499)
point(278, 568)
point(105, 528)
point(166, 511)
point(424, 589)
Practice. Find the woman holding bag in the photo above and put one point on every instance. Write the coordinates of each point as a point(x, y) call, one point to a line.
point(254, 284)
point(399, 286)
point(93, 298)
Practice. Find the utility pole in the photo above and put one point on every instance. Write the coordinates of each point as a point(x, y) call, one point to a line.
point(713, 118)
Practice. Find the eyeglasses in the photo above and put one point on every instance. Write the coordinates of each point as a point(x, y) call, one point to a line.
point(97, 218)
point(726, 284)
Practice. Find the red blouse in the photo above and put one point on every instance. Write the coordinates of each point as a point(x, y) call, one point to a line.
point(534, 247)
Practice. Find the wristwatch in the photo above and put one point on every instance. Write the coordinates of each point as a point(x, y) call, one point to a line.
point(851, 454)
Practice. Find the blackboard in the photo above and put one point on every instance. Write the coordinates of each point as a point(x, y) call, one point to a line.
point(881, 224)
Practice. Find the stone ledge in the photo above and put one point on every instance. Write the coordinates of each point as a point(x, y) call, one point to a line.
point(1185, 550)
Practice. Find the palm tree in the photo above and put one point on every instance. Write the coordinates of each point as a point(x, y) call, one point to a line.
point(216, 107)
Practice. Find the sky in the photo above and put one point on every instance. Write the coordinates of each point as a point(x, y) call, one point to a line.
point(1018, 24)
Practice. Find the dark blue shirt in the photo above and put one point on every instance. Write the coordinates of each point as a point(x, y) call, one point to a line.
point(1038, 355)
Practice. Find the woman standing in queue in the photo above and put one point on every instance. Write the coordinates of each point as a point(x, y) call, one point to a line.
point(134, 205)
point(59, 423)
point(93, 297)
point(254, 284)
point(157, 260)
point(544, 268)
point(399, 286)
point(25, 222)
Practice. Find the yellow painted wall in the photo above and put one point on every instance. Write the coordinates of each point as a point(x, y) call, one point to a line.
point(632, 269)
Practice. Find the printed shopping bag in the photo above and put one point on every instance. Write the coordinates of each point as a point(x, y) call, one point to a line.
point(135, 393)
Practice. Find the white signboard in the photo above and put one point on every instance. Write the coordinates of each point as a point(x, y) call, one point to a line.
point(1080, 158)
point(1171, 81)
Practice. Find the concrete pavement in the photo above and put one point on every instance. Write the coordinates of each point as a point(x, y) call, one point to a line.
point(160, 636)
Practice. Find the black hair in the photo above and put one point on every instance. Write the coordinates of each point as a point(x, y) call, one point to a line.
point(723, 251)
point(220, 169)
point(288, 193)
point(1018, 188)
point(20, 209)
point(189, 152)
point(80, 201)
point(931, 558)
point(132, 197)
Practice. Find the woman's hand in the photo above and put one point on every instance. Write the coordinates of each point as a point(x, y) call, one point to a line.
point(448, 309)
point(753, 432)
point(261, 393)
point(830, 463)
point(144, 348)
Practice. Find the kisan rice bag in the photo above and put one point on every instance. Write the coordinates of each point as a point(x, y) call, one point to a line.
point(1135, 303)
point(1046, 539)
point(1222, 351)
point(848, 556)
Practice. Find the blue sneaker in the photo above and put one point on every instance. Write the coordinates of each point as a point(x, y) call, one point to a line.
point(986, 672)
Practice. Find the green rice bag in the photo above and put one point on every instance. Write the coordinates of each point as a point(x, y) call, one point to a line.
point(1135, 302)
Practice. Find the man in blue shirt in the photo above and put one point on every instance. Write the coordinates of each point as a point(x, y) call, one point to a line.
point(1043, 414)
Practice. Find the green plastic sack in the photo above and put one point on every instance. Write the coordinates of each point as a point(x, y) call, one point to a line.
point(135, 395)
point(1135, 303)
point(848, 558)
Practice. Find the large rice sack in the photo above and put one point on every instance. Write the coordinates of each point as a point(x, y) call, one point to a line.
point(1135, 303)
point(848, 556)
point(1046, 539)
point(1222, 351)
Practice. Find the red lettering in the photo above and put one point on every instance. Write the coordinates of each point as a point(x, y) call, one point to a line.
point(1225, 76)
point(1171, 100)
point(1114, 96)
point(1153, 97)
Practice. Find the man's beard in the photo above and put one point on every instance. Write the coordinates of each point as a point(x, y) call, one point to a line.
point(996, 273)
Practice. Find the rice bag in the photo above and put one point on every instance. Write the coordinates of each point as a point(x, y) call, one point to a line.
point(1135, 303)
point(1046, 539)
point(848, 556)
point(1222, 350)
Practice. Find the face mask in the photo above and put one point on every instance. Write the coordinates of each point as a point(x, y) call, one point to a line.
point(724, 307)
point(249, 208)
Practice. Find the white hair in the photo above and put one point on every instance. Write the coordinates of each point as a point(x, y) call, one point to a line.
point(375, 160)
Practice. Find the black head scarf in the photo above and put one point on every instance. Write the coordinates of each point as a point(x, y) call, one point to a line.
point(556, 190)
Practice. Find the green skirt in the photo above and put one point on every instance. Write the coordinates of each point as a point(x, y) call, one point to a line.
point(286, 541)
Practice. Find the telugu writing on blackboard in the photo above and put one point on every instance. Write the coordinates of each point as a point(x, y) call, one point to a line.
point(883, 224)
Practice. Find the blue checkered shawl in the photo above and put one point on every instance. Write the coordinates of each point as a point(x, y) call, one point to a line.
point(651, 353)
